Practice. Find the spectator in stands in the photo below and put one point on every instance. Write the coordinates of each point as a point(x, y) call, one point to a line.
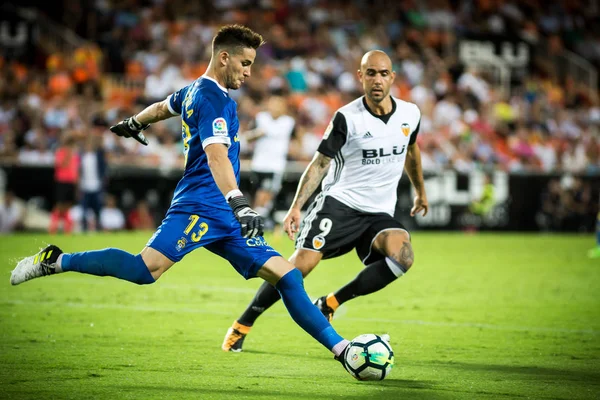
point(147, 47)
point(446, 112)
point(140, 218)
point(551, 211)
point(545, 151)
point(8, 148)
point(76, 214)
point(304, 142)
point(577, 205)
point(12, 214)
point(574, 159)
point(593, 156)
point(36, 151)
point(111, 217)
point(169, 152)
point(8, 111)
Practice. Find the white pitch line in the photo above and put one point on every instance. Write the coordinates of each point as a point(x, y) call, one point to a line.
point(188, 310)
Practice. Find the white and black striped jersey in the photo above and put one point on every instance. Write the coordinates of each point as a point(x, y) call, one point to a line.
point(368, 153)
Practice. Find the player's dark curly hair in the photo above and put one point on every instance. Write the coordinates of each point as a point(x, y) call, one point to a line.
point(234, 38)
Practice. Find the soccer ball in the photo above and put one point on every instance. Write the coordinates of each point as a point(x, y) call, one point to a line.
point(369, 358)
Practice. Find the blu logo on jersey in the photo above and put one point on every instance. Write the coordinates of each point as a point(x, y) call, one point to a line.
point(220, 127)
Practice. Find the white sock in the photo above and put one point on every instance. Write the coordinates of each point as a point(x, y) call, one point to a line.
point(339, 348)
point(59, 263)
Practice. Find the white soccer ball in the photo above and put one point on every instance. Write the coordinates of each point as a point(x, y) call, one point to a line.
point(369, 357)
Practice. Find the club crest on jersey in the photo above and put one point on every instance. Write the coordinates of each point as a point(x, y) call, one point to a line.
point(181, 244)
point(220, 127)
point(318, 242)
point(405, 129)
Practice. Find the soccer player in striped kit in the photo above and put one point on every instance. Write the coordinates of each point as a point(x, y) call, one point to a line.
point(365, 149)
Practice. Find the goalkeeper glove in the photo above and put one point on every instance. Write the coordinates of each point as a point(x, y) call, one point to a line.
point(251, 222)
point(131, 127)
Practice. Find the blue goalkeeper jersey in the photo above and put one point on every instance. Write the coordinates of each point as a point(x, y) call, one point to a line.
point(208, 115)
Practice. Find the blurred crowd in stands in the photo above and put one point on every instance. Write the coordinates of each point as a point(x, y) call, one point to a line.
point(135, 52)
point(567, 204)
point(312, 52)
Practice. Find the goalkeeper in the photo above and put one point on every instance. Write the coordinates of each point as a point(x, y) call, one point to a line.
point(208, 210)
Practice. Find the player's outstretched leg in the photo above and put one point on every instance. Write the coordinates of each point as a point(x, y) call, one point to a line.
point(327, 305)
point(289, 283)
point(107, 262)
point(377, 275)
point(265, 297)
point(372, 278)
point(40, 264)
point(234, 338)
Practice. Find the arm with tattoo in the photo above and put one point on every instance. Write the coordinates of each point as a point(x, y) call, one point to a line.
point(311, 178)
point(414, 170)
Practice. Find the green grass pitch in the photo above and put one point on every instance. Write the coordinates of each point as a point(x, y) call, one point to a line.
point(483, 316)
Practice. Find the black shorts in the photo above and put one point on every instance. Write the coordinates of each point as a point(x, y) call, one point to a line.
point(65, 192)
point(267, 181)
point(333, 228)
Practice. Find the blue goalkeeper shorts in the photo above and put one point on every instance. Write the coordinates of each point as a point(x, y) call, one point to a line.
point(217, 231)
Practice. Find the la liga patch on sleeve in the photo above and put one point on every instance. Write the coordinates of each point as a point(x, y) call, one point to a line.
point(220, 127)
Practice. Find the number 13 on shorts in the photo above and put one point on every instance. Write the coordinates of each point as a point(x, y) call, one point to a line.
point(202, 228)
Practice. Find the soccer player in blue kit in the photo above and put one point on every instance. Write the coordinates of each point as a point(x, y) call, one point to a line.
point(208, 210)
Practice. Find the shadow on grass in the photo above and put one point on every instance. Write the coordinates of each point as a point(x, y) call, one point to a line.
point(288, 354)
point(558, 374)
point(388, 389)
point(402, 383)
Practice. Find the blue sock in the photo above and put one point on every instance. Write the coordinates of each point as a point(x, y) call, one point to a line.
point(109, 262)
point(304, 312)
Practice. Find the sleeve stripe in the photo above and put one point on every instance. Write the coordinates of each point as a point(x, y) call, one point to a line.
point(335, 138)
point(216, 139)
point(418, 128)
point(170, 107)
point(415, 133)
point(326, 152)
